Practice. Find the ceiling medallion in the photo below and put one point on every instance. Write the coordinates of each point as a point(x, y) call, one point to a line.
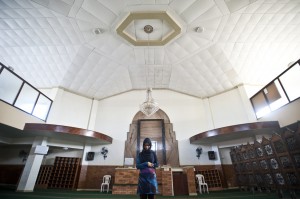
point(129, 28)
point(148, 29)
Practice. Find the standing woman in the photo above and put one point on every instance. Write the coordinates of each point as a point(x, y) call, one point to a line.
point(147, 162)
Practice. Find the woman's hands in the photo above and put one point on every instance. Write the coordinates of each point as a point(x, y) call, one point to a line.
point(150, 164)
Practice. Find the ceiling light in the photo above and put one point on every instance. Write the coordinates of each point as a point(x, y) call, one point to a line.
point(149, 107)
point(98, 31)
point(148, 29)
point(199, 29)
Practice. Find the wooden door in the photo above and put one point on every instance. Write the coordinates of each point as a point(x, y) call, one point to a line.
point(180, 185)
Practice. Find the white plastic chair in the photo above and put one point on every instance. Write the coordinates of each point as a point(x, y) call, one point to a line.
point(105, 183)
point(201, 183)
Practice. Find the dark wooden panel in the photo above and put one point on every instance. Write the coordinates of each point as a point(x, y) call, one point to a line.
point(153, 129)
point(10, 174)
point(65, 173)
point(229, 176)
point(91, 176)
point(180, 185)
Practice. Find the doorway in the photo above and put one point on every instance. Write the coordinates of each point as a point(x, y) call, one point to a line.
point(180, 183)
point(153, 129)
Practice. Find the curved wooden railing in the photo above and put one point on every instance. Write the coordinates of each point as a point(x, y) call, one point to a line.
point(231, 130)
point(45, 129)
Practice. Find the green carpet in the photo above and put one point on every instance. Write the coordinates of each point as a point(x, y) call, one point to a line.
point(64, 194)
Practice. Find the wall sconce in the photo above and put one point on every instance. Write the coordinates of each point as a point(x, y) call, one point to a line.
point(104, 152)
point(23, 154)
point(198, 152)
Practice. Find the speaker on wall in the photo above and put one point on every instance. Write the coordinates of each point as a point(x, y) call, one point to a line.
point(211, 155)
point(90, 156)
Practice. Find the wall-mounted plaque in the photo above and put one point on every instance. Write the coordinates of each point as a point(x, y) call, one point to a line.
point(251, 153)
point(279, 178)
point(274, 163)
point(254, 165)
point(264, 164)
point(291, 143)
point(297, 160)
point(258, 178)
point(279, 146)
point(259, 151)
point(292, 178)
point(285, 162)
point(268, 179)
point(268, 149)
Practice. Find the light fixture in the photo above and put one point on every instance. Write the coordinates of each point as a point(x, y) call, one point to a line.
point(23, 154)
point(198, 152)
point(98, 31)
point(104, 152)
point(199, 29)
point(149, 107)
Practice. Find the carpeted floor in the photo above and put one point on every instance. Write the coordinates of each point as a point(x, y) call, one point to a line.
point(65, 194)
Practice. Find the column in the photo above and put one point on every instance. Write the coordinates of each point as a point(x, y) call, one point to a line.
point(190, 174)
point(84, 169)
point(32, 166)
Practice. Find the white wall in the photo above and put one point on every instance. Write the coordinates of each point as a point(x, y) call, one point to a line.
point(228, 109)
point(115, 114)
point(70, 110)
point(285, 115)
point(187, 154)
point(14, 117)
point(189, 116)
point(115, 154)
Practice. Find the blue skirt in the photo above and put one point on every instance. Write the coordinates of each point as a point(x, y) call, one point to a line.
point(147, 182)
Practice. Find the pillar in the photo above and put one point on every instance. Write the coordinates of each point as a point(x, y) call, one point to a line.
point(32, 166)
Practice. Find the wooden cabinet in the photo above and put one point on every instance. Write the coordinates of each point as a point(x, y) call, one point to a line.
point(64, 173)
point(272, 164)
point(44, 176)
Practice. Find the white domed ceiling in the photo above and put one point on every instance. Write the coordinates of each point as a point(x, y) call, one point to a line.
point(98, 48)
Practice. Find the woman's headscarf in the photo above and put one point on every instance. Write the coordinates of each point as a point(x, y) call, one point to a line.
point(146, 155)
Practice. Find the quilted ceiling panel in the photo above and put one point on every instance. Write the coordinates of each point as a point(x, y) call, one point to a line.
point(73, 44)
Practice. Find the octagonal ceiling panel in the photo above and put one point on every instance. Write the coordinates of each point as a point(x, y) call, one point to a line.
point(165, 29)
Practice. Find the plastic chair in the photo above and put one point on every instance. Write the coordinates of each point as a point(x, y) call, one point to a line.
point(105, 183)
point(201, 183)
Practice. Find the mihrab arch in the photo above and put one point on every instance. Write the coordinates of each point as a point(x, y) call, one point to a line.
point(159, 129)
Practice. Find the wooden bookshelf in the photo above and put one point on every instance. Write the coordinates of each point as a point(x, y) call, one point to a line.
point(65, 173)
point(44, 176)
point(212, 178)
